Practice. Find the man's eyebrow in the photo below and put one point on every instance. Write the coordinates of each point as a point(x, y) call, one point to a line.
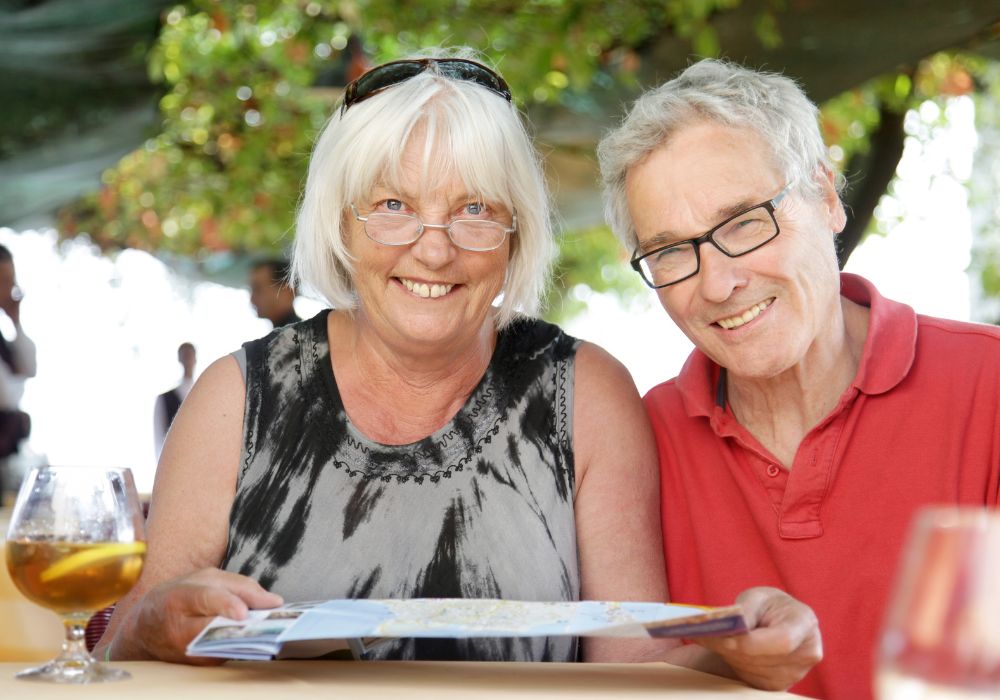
point(660, 240)
point(723, 213)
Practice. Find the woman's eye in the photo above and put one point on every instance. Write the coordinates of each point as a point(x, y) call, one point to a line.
point(475, 208)
point(391, 206)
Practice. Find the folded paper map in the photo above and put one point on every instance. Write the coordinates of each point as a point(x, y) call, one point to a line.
point(302, 630)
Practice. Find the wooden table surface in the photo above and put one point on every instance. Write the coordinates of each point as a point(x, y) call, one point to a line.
point(430, 680)
point(29, 633)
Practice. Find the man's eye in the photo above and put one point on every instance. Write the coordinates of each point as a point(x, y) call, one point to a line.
point(668, 253)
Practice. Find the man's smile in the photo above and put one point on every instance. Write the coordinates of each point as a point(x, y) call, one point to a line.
point(745, 317)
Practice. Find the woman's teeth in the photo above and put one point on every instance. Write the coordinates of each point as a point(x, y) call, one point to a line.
point(427, 291)
point(747, 316)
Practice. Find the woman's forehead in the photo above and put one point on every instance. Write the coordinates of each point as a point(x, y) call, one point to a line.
point(424, 168)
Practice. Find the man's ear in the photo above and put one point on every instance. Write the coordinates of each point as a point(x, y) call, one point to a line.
point(827, 180)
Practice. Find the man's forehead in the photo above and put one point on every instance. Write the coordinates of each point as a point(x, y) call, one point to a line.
point(710, 148)
point(701, 176)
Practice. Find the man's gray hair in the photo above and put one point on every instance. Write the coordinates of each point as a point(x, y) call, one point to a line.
point(468, 132)
point(772, 105)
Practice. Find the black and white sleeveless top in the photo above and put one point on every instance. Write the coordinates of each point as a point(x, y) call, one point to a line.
point(482, 508)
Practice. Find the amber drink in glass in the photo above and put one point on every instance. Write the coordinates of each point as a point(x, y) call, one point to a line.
point(75, 545)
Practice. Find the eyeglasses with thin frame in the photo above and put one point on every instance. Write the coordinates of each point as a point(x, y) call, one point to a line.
point(395, 72)
point(742, 233)
point(477, 235)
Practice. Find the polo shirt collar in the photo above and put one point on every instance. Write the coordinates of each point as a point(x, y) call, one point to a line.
point(888, 354)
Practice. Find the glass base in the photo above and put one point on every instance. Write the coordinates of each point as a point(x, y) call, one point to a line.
point(74, 671)
point(891, 684)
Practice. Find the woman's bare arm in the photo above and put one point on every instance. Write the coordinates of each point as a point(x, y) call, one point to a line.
point(187, 529)
point(617, 498)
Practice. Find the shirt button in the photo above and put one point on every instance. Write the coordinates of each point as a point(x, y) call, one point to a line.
point(773, 470)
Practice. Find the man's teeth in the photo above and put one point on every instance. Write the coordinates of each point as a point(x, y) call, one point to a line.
point(747, 316)
point(427, 291)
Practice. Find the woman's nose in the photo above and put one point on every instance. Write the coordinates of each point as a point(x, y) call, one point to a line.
point(434, 247)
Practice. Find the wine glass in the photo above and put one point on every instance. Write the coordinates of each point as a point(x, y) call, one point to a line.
point(75, 545)
point(941, 637)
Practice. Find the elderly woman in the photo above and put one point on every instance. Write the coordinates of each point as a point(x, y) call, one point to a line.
point(427, 437)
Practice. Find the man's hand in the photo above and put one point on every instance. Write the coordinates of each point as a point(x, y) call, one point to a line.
point(783, 643)
point(173, 613)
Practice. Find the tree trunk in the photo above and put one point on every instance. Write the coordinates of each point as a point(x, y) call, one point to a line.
point(868, 176)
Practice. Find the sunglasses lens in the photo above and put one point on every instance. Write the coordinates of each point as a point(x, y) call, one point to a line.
point(390, 74)
point(382, 77)
point(475, 73)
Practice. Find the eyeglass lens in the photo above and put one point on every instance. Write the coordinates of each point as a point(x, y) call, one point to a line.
point(736, 237)
point(402, 229)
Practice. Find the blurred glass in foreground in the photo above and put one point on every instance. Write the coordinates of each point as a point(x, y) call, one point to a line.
point(942, 635)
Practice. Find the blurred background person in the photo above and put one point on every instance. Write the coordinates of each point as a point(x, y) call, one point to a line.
point(271, 294)
point(169, 402)
point(17, 364)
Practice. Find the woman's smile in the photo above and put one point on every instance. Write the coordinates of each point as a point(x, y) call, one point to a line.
point(425, 290)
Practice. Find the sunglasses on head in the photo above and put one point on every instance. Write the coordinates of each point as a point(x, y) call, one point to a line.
point(395, 72)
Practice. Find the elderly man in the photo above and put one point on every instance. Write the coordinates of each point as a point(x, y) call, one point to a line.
point(814, 416)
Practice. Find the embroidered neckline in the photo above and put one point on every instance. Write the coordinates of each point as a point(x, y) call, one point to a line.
point(483, 413)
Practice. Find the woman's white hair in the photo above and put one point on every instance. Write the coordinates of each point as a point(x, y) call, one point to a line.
point(773, 106)
point(467, 131)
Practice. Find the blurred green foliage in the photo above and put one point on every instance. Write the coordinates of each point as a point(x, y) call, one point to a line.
point(850, 119)
point(984, 187)
point(238, 119)
point(590, 258)
point(241, 109)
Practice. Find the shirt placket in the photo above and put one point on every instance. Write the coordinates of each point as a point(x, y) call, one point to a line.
point(796, 496)
point(812, 474)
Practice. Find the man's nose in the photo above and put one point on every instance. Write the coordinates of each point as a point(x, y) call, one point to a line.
point(720, 275)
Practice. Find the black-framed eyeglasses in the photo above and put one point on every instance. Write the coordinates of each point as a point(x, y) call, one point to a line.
point(395, 72)
point(477, 235)
point(742, 233)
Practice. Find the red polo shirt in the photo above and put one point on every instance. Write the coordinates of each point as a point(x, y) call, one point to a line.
point(919, 424)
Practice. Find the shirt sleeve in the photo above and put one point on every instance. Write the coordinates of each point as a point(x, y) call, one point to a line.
point(159, 425)
point(9, 388)
point(23, 350)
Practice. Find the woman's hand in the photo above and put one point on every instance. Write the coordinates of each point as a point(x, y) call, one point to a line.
point(172, 613)
point(783, 643)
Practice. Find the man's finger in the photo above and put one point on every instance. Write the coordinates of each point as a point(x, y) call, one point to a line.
point(764, 642)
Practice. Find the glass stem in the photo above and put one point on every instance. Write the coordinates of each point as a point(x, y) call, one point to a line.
point(74, 647)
